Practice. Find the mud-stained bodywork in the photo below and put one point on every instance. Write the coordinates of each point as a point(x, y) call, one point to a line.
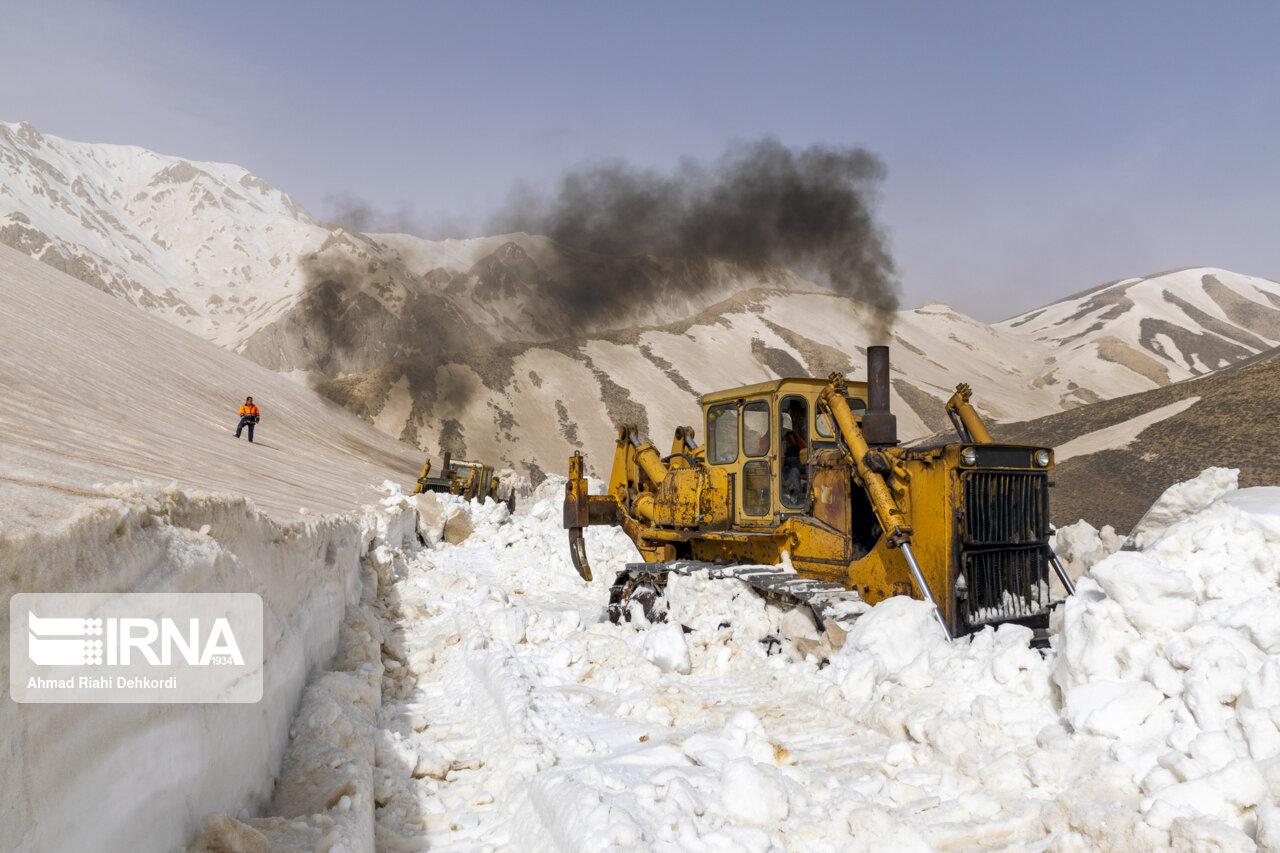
point(810, 472)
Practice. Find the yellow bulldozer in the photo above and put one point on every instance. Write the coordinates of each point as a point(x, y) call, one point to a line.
point(471, 480)
point(804, 491)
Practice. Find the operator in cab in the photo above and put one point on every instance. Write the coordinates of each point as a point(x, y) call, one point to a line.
point(793, 447)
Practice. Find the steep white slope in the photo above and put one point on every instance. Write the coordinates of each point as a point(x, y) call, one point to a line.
point(93, 391)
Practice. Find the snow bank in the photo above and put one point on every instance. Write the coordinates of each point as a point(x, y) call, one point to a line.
point(324, 799)
point(514, 716)
point(1080, 545)
point(97, 392)
point(1170, 655)
point(137, 777)
point(480, 700)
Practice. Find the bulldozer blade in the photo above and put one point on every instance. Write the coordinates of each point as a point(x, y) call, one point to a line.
point(578, 552)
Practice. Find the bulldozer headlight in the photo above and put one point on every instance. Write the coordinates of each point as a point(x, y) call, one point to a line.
point(969, 456)
point(1042, 459)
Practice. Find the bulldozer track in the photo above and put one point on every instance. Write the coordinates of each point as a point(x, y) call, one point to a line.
point(826, 600)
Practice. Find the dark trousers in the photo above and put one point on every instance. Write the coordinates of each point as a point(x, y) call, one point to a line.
point(245, 421)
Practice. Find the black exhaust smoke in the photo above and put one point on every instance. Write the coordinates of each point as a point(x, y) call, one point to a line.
point(760, 203)
point(879, 425)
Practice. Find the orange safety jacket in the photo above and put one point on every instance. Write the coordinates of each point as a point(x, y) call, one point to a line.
point(248, 410)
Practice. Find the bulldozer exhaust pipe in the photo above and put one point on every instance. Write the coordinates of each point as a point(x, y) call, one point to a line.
point(879, 425)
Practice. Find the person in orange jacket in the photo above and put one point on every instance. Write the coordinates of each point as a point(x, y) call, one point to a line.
point(248, 417)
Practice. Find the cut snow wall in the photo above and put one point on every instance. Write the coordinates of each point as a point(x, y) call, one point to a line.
point(139, 777)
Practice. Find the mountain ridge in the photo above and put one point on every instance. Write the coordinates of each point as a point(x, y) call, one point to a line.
point(522, 349)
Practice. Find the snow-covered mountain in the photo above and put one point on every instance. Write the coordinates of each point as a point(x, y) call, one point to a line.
point(207, 246)
point(521, 350)
point(1165, 327)
point(215, 249)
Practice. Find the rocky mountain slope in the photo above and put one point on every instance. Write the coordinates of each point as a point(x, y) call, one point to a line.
point(367, 301)
point(521, 350)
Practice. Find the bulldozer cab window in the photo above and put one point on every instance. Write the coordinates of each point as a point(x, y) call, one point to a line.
point(722, 433)
point(756, 488)
point(857, 405)
point(756, 436)
point(794, 424)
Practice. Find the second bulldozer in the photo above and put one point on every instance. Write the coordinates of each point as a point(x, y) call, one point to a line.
point(470, 480)
point(803, 491)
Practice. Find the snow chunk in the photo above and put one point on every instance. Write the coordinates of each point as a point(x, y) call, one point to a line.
point(750, 794)
point(443, 518)
point(1153, 598)
point(1080, 545)
point(1180, 501)
point(899, 633)
point(665, 648)
point(1111, 708)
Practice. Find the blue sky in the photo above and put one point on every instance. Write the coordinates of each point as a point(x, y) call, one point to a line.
point(1033, 149)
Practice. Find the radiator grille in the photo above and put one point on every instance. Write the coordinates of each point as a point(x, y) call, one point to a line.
point(1006, 584)
point(1005, 508)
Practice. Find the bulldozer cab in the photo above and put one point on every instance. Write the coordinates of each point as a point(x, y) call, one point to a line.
point(472, 478)
point(763, 437)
